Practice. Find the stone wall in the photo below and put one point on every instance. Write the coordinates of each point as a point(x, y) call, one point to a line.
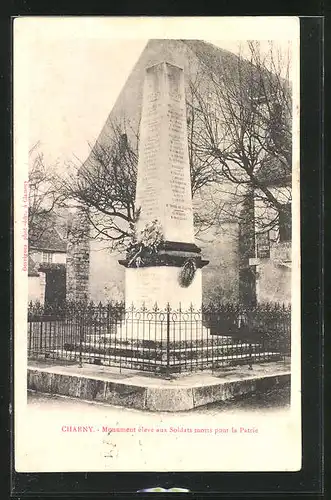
point(220, 278)
point(36, 288)
point(273, 273)
point(273, 282)
point(106, 276)
point(78, 257)
point(247, 273)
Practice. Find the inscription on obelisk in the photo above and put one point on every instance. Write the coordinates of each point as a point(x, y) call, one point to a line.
point(163, 183)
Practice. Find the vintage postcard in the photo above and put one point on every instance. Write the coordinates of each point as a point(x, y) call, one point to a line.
point(157, 244)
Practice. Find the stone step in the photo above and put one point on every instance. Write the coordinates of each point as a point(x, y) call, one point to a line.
point(145, 343)
point(160, 352)
point(143, 362)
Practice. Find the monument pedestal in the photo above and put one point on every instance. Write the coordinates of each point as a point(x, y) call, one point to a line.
point(156, 296)
point(159, 286)
point(163, 287)
point(153, 328)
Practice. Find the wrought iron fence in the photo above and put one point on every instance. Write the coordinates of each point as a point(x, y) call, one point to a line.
point(160, 340)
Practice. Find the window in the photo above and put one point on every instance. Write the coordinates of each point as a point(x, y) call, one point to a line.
point(285, 223)
point(47, 257)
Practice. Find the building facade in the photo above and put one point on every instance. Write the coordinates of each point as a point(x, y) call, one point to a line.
point(47, 269)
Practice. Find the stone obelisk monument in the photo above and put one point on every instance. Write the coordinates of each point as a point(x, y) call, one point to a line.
point(172, 274)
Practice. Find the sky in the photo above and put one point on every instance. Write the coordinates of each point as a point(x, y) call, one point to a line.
point(68, 72)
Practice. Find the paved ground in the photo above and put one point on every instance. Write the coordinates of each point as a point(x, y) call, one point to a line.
point(266, 437)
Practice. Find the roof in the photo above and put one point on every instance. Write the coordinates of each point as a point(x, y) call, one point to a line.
point(207, 52)
point(51, 241)
point(182, 53)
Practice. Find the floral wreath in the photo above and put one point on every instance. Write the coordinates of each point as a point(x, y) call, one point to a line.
point(187, 273)
point(145, 244)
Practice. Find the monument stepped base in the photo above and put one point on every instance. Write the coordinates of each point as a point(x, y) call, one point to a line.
point(155, 356)
point(129, 389)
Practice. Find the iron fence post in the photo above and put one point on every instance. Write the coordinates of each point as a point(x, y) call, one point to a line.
point(41, 335)
point(250, 350)
point(168, 339)
point(81, 323)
